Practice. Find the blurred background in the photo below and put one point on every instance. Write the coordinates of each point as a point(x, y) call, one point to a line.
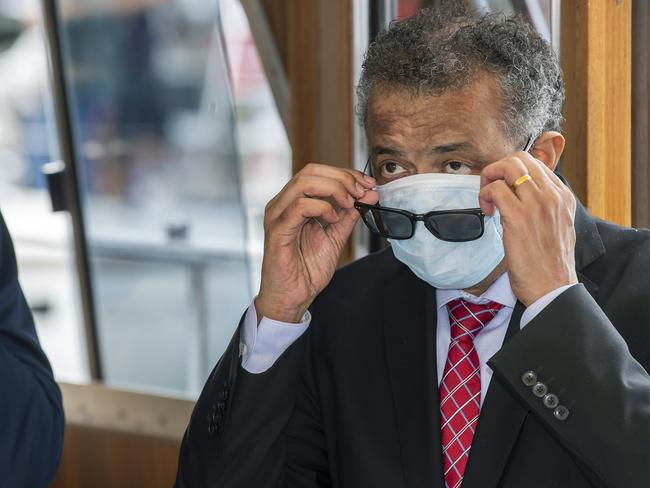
point(141, 139)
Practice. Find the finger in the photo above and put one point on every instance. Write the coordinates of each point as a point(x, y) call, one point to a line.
point(550, 184)
point(537, 170)
point(314, 187)
point(340, 231)
point(301, 210)
point(350, 175)
point(347, 179)
point(355, 181)
point(498, 194)
point(509, 169)
point(350, 216)
point(548, 173)
point(371, 197)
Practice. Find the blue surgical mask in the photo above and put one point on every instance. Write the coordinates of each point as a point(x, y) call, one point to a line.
point(442, 264)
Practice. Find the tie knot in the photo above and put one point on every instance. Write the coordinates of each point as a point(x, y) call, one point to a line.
point(468, 319)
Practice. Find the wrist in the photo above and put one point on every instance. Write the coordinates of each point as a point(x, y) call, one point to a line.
point(542, 292)
point(275, 310)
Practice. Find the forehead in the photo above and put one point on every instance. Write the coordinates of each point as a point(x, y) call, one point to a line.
point(473, 112)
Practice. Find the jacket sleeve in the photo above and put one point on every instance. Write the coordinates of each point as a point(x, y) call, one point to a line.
point(578, 355)
point(261, 430)
point(31, 413)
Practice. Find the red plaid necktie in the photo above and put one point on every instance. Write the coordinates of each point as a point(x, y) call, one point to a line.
point(460, 388)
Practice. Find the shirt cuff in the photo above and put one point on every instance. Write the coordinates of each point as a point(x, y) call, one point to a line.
point(261, 345)
point(540, 304)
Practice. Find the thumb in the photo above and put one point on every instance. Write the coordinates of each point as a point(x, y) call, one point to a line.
point(341, 230)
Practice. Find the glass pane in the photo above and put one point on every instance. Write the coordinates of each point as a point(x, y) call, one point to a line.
point(165, 173)
point(456, 226)
point(43, 240)
point(393, 224)
point(408, 8)
point(538, 12)
point(264, 150)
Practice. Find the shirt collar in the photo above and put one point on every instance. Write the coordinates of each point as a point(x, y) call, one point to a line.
point(499, 291)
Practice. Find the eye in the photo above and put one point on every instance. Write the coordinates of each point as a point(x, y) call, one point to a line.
point(458, 168)
point(391, 169)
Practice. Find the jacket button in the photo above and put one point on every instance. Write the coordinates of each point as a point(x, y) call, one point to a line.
point(551, 400)
point(212, 424)
point(561, 413)
point(540, 389)
point(529, 378)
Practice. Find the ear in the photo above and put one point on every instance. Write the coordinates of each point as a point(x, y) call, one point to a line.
point(548, 148)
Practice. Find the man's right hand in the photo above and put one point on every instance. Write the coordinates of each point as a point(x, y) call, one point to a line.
point(300, 252)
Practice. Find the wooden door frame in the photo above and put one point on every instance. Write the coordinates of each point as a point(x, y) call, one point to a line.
point(596, 51)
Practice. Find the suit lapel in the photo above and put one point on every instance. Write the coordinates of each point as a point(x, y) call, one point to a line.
point(589, 244)
point(498, 427)
point(409, 331)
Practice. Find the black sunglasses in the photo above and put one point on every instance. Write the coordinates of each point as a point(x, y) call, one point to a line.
point(447, 225)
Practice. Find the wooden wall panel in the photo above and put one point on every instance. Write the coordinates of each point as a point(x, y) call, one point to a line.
point(315, 41)
point(320, 82)
point(116, 438)
point(596, 57)
point(641, 113)
point(277, 15)
point(106, 459)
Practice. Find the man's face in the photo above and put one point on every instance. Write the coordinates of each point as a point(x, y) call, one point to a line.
point(458, 132)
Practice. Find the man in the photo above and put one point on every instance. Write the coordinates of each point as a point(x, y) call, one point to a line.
point(31, 413)
point(481, 349)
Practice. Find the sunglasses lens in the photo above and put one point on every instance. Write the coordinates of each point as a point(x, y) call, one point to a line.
point(456, 227)
point(392, 225)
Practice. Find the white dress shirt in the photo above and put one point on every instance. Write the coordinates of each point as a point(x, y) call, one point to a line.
point(261, 345)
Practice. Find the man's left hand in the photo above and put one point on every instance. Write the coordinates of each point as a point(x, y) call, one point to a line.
point(538, 224)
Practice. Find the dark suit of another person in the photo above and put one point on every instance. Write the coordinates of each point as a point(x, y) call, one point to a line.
point(31, 413)
point(354, 402)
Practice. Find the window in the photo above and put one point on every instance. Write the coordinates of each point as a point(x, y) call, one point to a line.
point(43, 240)
point(178, 148)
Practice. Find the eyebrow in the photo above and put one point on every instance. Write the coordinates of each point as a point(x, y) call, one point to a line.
point(390, 151)
point(442, 149)
point(445, 148)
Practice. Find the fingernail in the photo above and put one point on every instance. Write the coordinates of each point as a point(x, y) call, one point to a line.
point(369, 179)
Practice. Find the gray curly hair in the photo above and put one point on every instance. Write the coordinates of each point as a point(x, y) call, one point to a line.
point(440, 50)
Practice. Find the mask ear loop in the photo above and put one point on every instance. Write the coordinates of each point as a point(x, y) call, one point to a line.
point(530, 142)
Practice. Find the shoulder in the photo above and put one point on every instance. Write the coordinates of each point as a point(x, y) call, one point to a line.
point(623, 269)
point(355, 292)
point(622, 275)
point(617, 238)
point(626, 250)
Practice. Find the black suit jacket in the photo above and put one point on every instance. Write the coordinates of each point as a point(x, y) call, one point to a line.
point(354, 402)
point(31, 413)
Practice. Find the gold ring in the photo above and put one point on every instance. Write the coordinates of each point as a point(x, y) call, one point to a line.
point(521, 180)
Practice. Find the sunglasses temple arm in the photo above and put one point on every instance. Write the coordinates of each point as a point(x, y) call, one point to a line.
point(367, 169)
